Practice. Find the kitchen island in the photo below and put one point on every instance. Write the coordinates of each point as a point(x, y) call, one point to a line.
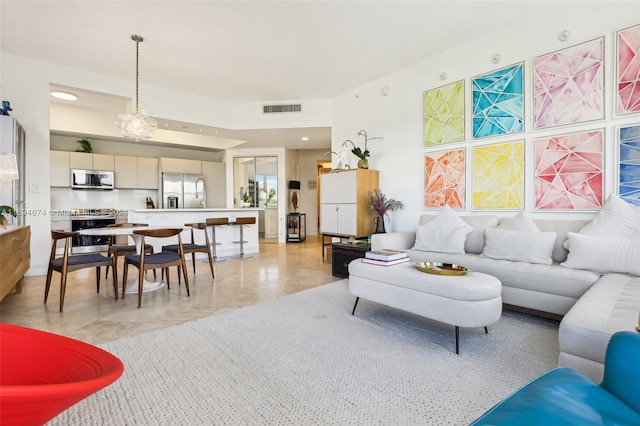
point(228, 236)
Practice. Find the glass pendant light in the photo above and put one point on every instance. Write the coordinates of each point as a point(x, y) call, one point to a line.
point(137, 125)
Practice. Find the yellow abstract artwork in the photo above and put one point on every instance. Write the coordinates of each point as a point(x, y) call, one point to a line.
point(498, 176)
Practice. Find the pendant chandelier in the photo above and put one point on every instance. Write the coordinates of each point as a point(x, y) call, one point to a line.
point(137, 125)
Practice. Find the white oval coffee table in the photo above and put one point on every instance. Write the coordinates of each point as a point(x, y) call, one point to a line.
point(471, 300)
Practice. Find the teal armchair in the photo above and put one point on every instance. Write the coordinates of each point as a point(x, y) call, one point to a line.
point(565, 397)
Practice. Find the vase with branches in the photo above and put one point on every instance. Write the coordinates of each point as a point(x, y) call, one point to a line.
point(380, 206)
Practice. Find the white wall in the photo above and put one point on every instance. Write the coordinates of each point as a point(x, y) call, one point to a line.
point(398, 116)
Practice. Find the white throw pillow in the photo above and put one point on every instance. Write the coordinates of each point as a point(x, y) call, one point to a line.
point(519, 222)
point(445, 233)
point(603, 254)
point(615, 219)
point(530, 247)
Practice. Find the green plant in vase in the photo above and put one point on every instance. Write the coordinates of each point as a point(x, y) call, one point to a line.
point(363, 155)
point(363, 162)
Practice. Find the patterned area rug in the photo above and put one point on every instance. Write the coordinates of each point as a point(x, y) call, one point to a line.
point(304, 360)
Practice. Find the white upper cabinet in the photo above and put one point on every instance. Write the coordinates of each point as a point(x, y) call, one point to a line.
point(59, 174)
point(85, 161)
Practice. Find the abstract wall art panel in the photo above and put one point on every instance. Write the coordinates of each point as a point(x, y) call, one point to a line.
point(498, 176)
point(628, 70)
point(569, 171)
point(498, 102)
point(444, 179)
point(629, 165)
point(443, 114)
point(568, 85)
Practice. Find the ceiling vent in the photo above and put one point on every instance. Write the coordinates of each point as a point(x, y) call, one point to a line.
point(271, 109)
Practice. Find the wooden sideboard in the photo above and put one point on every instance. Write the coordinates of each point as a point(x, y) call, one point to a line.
point(15, 257)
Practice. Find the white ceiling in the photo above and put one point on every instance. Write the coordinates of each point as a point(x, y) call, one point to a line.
point(244, 51)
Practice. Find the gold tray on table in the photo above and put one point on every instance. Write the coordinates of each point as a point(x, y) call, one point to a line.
point(440, 268)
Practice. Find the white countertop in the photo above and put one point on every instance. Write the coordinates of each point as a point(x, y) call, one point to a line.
point(239, 209)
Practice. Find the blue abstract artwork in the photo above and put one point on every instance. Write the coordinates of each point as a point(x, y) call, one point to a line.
point(629, 166)
point(498, 102)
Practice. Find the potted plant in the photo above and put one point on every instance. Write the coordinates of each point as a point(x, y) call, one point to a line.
point(381, 206)
point(363, 163)
point(6, 210)
point(246, 199)
point(85, 146)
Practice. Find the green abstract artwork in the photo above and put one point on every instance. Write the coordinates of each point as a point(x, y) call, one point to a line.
point(443, 114)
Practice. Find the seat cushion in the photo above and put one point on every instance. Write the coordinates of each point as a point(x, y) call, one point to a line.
point(611, 304)
point(81, 259)
point(155, 259)
point(560, 397)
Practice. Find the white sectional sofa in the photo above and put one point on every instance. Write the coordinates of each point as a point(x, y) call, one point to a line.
point(592, 304)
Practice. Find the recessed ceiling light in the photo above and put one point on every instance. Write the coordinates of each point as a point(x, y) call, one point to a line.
point(67, 96)
point(304, 138)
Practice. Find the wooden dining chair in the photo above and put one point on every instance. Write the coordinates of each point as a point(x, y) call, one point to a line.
point(69, 263)
point(117, 250)
point(193, 248)
point(163, 260)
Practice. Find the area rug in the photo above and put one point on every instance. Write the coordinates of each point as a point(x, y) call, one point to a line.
point(304, 360)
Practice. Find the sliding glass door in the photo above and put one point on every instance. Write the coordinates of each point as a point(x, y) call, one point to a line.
point(255, 183)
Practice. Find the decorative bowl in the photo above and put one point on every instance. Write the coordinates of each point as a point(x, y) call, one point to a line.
point(440, 268)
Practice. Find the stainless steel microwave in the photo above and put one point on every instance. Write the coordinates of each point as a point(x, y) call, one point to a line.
point(91, 179)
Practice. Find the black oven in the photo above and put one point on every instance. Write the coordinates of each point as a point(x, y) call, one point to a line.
point(86, 219)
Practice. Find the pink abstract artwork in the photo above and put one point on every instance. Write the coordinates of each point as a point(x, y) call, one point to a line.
point(568, 171)
point(568, 85)
point(444, 181)
point(628, 66)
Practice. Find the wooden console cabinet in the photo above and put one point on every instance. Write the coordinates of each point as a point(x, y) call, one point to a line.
point(344, 202)
point(15, 257)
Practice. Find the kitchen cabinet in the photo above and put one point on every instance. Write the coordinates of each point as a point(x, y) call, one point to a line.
point(80, 160)
point(103, 162)
point(59, 174)
point(180, 165)
point(136, 172)
point(125, 172)
point(86, 161)
point(344, 202)
point(148, 175)
point(215, 177)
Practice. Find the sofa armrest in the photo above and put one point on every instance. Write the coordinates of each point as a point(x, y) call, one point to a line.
point(393, 240)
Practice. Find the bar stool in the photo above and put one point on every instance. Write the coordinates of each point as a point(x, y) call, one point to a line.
point(213, 222)
point(241, 221)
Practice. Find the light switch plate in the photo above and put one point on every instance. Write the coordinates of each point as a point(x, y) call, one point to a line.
point(34, 187)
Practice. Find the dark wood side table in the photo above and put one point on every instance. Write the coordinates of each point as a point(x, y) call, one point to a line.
point(342, 254)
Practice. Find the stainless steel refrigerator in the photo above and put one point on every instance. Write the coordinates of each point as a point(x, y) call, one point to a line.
point(183, 191)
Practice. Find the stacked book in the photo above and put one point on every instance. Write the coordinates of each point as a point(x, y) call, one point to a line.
point(385, 257)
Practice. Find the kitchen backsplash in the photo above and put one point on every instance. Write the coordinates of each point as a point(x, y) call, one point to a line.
point(124, 199)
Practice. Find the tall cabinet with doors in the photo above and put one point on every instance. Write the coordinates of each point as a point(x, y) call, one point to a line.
point(344, 203)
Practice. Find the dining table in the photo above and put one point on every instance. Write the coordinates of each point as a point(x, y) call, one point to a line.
point(131, 288)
